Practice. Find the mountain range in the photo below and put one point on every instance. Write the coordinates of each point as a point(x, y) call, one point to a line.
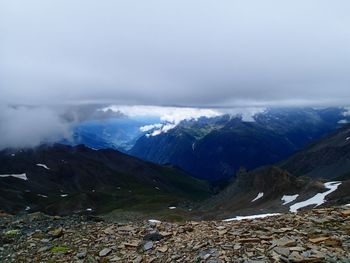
point(62, 179)
point(215, 148)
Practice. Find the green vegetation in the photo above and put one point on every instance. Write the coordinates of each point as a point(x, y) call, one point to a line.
point(11, 233)
point(59, 249)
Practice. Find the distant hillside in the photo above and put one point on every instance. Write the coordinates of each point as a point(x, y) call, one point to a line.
point(328, 157)
point(63, 179)
point(300, 180)
point(215, 148)
point(273, 190)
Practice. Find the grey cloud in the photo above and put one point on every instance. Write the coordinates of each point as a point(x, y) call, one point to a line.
point(30, 126)
point(80, 113)
point(23, 126)
point(189, 53)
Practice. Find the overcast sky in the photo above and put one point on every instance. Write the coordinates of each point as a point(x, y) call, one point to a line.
point(189, 53)
point(184, 53)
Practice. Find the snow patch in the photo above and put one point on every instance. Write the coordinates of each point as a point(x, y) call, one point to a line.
point(44, 196)
point(317, 199)
point(89, 209)
point(239, 218)
point(19, 176)
point(43, 165)
point(65, 195)
point(27, 208)
point(172, 207)
point(13, 155)
point(347, 138)
point(258, 197)
point(288, 198)
point(155, 221)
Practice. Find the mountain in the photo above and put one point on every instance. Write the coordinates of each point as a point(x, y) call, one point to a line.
point(301, 179)
point(328, 157)
point(61, 179)
point(215, 148)
point(273, 190)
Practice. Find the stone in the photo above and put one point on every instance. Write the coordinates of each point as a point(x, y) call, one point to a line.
point(163, 249)
point(153, 237)
point(45, 248)
point(299, 249)
point(38, 234)
point(45, 240)
point(109, 230)
point(56, 232)
point(165, 234)
point(148, 245)
point(81, 255)
point(284, 251)
point(104, 252)
point(222, 232)
point(126, 228)
point(248, 240)
point(296, 257)
point(131, 244)
point(318, 239)
point(284, 242)
point(346, 212)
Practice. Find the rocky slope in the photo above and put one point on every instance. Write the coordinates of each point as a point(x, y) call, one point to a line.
point(269, 190)
point(327, 158)
point(319, 235)
point(62, 179)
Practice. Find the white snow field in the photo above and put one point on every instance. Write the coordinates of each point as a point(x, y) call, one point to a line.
point(317, 199)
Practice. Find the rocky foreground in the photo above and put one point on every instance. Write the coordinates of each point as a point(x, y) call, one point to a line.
point(319, 235)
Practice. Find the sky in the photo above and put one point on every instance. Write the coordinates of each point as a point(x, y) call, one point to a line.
point(55, 55)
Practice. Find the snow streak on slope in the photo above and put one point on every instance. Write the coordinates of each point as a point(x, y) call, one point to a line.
point(43, 165)
point(288, 198)
point(318, 199)
point(238, 218)
point(19, 176)
point(258, 197)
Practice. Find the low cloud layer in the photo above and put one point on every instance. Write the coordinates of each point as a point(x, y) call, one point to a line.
point(170, 117)
point(31, 126)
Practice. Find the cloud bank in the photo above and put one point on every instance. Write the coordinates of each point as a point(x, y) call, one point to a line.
point(184, 53)
point(29, 127)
